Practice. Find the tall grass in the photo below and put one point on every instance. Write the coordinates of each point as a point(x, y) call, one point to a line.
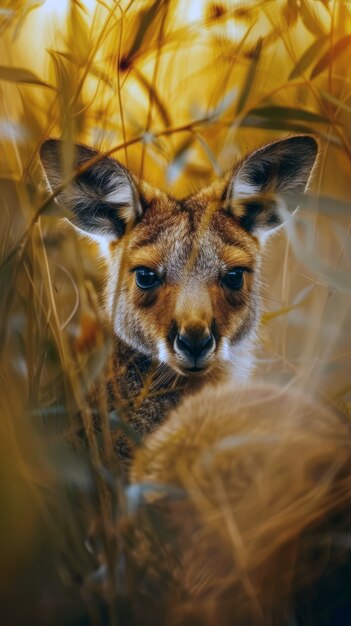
point(177, 91)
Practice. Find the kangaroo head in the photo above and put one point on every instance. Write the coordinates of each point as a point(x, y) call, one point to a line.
point(183, 279)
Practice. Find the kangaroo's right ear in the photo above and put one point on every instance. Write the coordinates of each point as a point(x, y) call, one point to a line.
point(264, 180)
point(103, 198)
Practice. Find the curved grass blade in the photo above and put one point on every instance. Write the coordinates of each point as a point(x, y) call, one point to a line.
point(156, 98)
point(290, 13)
point(254, 121)
point(146, 19)
point(288, 113)
point(335, 51)
point(22, 15)
point(249, 77)
point(210, 155)
point(310, 20)
point(325, 205)
point(302, 298)
point(337, 103)
point(21, 75)
point(81, 6)
point(79, 34)
point(308, 57)
point(178, 163)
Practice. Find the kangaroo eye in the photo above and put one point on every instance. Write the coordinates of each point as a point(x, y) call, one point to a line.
point(234, 279)
point(146, 279)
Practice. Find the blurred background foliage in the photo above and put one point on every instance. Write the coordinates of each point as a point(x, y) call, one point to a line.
point(177, 90)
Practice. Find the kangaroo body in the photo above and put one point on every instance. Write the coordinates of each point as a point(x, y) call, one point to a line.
point(182, 290)
point(247, 495)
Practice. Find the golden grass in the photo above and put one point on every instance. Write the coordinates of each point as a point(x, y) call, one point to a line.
point(177, 90)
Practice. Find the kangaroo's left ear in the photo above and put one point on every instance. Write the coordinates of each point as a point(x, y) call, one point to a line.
point(256, 191)
point(102, 198)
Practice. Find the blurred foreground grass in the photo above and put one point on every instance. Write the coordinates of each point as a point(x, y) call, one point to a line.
point(178, 90)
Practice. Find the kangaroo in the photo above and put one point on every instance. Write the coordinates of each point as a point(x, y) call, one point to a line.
point(183, 280)
point(247, 506)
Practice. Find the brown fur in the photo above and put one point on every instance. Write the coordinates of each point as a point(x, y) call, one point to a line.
point(191, 244)
point(247, 495)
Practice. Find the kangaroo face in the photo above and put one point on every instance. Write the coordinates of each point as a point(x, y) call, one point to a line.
point(188, 293)
point(183, 275)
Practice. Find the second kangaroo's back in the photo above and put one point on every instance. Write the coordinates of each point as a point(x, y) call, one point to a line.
point(247, 499)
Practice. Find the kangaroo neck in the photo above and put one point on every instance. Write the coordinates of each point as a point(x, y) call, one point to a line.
point(141, 383)
point(142, 391)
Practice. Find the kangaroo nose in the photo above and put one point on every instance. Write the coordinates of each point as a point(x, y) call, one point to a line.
point(194, 346)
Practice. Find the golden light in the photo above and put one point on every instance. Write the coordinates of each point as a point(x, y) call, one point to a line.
point(57, 8)
point(176, 90)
